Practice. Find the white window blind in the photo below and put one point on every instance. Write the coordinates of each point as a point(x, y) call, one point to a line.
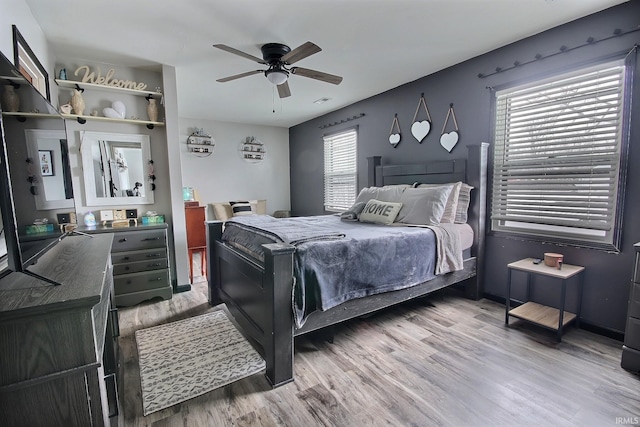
point(557, 155)
point(340, 170)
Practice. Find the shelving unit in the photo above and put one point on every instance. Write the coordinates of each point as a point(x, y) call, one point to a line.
point(24, 115)
point(252, 150)
point(73, 84)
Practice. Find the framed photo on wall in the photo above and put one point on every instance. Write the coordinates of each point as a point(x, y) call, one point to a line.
point(46, 162)
point(29, 65)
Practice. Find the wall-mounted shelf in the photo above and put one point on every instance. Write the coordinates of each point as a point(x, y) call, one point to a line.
point(252, 150)
point(73, 84)
point(83, 119)
point(200, 143)
point(23, 116)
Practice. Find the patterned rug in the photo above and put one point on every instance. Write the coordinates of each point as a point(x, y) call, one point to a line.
point(187, 358)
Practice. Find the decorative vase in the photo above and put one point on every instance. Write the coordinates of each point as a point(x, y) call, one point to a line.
point(152, 110)
point(77, 102)
point(10, 99)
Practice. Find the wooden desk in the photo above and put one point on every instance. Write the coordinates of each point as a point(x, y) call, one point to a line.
point(196, 236)
point(548, 317)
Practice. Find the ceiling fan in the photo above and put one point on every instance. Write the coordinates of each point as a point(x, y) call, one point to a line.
point(279, 58)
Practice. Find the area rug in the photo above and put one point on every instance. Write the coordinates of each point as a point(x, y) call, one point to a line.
point(184, 359)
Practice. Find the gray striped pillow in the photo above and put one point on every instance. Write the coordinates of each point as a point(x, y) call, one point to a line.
point(464, 198)
point(241, 208)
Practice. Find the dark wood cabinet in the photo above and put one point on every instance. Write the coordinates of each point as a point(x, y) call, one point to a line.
point(196, 237)
point(631, 348)
point(58, 344)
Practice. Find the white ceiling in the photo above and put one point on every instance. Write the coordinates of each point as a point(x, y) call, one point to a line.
point(375, 45)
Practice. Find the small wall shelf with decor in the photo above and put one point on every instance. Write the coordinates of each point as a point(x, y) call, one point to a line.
point(200, 143)
point(252, 150)
point(149, 95)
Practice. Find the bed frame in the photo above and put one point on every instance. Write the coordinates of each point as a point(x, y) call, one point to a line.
point(258, 294)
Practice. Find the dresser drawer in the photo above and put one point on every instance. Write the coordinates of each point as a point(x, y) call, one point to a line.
point(138, 266)
point(632, 333)
point(636, 269)
point(134, 240)
point(134, 282)
point(134, 256)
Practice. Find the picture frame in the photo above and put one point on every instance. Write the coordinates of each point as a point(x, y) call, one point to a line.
point(45, 159)
point(29, 66)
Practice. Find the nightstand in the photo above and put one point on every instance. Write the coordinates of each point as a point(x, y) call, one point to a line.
point(551, 318)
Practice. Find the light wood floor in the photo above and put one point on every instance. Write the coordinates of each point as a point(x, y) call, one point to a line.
point(439, 361)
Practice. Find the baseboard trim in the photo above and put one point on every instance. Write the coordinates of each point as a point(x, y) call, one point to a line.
point(596, 329)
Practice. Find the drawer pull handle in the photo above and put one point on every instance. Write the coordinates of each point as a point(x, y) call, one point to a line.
point(128, 282)
point(127, 267)
point(157, 264)
point(124, 239)
point(126, 258)
point(154, 255)
point(148, 239)
point(155, 279)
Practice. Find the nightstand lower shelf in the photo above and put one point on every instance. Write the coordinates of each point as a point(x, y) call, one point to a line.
point(541, 315)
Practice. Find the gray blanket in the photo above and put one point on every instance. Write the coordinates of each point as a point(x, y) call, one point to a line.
point(336, 261)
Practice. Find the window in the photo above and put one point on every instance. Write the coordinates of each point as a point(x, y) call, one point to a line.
point(340, 170)
point(557, 157)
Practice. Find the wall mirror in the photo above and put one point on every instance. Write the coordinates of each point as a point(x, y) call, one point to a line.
point(48, 152)
point(114, 168)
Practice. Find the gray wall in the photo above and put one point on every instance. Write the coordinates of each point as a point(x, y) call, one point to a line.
point(607, 278)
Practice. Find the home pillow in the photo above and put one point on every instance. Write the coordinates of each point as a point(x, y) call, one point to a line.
point(380, 212)
point(352, 213)
point(464, 198)
point(241, 208)
point(386, 194)
point(423, 206)
point(449, 215)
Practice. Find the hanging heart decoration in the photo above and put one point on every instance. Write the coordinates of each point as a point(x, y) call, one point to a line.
point(449, 140)
point(421, 129)
point(116, 111)
point(394, 137)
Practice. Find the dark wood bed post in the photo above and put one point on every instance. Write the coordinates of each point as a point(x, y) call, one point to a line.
point(477, 161)
point(214, 233)
point(278, 287)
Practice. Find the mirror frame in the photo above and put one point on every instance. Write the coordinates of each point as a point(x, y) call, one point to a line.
point(32, 136)
point(88, 138)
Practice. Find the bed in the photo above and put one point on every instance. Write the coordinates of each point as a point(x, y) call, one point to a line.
point(258, 292)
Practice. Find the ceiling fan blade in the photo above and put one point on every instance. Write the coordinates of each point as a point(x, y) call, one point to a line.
point(318, 75)
point(283, 90)
point(239, 53)
point(238, 76)
point(301, 52)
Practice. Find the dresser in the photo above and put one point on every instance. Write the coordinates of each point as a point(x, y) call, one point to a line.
point(140, 258)
point(58, 344)
point(631, 348)
point(196, 236)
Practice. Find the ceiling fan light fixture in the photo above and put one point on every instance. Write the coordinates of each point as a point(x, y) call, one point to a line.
point(277, 77)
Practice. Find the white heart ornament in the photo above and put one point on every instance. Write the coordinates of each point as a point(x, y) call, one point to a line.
point(116, 111)
point(394, 139)
point(449, 140)
point(420, 129)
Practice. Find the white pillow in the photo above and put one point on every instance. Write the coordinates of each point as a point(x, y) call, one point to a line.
point(423, 206)
point(386, 194)
point(449, 215)
point(380, 212)
point(464, 198)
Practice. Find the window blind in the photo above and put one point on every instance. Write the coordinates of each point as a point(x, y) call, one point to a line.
point(340, 170)
point(557, 152)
